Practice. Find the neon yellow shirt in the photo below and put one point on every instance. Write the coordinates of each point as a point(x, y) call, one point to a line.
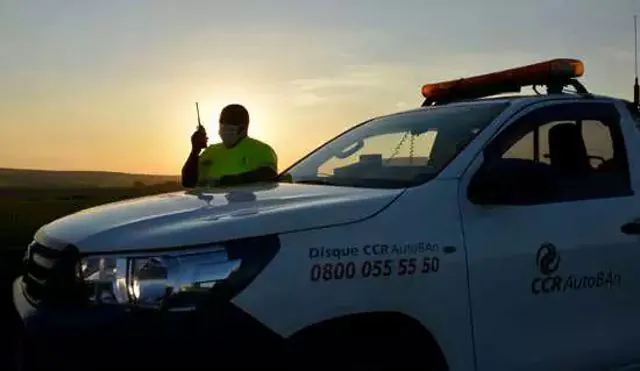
point(249, 154)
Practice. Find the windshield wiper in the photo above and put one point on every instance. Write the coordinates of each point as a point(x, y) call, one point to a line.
point(315, 181)
point(364, 182)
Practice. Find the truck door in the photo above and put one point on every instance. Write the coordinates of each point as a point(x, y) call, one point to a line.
point(553, 278)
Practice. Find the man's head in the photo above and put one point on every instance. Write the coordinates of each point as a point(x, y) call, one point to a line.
point(234, 124)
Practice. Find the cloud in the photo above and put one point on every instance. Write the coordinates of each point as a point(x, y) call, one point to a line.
point(351, 77)
point(351, 82)
point(308, 99)
point(396, 86)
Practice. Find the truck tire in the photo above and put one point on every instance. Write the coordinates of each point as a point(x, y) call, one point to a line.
point(359, 343)
point(388, 353)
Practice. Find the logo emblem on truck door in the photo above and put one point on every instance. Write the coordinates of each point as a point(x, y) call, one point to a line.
point(549, 281)
point(547, 259)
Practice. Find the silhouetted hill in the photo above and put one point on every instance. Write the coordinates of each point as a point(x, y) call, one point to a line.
point(24, 178)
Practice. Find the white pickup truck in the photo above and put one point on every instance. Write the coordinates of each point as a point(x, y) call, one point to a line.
point(474, 233)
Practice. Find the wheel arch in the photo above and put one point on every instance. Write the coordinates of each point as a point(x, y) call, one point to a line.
point(375, 326)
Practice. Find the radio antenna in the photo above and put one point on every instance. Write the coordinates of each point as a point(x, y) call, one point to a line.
point(200, 127)
point(636, 88)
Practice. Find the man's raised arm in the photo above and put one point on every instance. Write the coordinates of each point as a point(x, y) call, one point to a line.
point(190, 170)
point(190, 167)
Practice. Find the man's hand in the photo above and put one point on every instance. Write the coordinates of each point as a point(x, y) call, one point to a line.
point(199, 140)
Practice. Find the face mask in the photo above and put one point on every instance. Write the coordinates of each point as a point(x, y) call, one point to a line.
point(230, 134)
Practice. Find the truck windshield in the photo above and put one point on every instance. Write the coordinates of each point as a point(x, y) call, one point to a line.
point(398, 150)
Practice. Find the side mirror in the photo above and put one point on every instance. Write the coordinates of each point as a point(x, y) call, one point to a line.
point(521, 182)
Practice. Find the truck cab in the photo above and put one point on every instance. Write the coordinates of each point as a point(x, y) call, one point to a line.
point(477, 232)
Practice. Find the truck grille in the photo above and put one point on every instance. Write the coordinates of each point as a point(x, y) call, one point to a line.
point(50, 275)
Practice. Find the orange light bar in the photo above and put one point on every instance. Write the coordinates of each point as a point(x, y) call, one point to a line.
point(534, 74)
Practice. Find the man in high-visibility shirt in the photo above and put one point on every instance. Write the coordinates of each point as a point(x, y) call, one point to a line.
point(239, 159)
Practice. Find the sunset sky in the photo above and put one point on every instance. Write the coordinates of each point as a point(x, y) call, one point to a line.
point(111, 85)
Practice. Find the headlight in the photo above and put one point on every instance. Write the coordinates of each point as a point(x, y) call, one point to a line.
point(173, 280)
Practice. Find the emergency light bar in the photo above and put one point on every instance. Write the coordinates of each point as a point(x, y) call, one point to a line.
point(555, 74)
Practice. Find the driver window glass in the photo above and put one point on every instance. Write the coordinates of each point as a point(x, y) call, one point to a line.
point(597, 138)
point(577, 159)
point(522, 149)
point(393, 149)
point(595, 134)
point(543, 149)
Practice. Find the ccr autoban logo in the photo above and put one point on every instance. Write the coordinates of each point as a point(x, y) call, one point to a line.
point(548, 263)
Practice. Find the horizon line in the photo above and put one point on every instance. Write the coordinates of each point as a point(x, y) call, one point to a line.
point(87, 171)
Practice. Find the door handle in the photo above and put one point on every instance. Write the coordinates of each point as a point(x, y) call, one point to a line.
point(631, 227)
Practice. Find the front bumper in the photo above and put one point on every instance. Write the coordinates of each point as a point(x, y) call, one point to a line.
point(110, 336)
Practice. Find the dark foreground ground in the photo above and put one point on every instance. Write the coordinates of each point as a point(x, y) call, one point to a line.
point(9, 269)
point(22, 212)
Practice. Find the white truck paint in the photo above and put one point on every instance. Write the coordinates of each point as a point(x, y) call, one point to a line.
point(486, 291)
point(206, 215)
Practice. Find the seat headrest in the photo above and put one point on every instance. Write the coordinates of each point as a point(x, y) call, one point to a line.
point(567, 147)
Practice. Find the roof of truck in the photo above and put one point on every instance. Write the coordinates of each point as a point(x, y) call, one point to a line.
point(520, 100)
point(532, 98)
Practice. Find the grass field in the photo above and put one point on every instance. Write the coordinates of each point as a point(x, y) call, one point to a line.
point(32, 198)
point(27, 178)
point(24, 210)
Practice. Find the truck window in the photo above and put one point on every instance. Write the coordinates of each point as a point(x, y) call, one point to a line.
point(578, 147)
point(596, 136)
point(398, 150)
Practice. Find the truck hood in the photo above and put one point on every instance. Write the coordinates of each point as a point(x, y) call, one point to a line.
point(212, 215)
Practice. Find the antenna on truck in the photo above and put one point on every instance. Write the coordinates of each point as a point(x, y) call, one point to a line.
point(636, 88)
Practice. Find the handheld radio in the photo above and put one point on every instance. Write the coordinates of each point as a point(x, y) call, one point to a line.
point(200, 128)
